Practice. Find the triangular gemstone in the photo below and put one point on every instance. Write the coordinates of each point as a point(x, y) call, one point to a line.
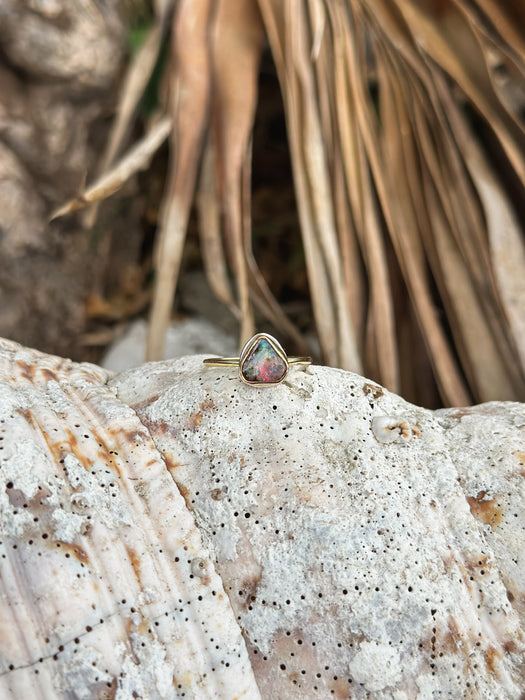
point(262, 364)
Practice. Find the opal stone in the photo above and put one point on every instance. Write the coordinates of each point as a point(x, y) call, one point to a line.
point(262, 365)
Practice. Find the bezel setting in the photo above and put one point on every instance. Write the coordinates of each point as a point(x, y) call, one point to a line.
point(249, 349)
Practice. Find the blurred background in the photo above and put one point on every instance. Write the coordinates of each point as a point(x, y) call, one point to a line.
point(346, 174)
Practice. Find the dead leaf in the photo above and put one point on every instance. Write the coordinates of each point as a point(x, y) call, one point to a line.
point(137, 159)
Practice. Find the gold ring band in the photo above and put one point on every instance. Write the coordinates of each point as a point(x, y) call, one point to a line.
point(262, 361)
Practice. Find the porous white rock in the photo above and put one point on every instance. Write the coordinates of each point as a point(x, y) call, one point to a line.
point(97, 595)
point(230, 541)
point(370, 548)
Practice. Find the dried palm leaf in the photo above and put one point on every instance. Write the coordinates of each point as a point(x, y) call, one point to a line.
point(135, 82)
point(407, 178)
point(188, 105)
point(414, 250)
point(213, 253)
point(220, 50)
point(137, 159)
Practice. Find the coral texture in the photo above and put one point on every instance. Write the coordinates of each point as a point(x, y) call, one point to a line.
point(172, 532)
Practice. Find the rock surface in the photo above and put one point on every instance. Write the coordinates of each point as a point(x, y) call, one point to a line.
point(318, 538)
point(188, 337)
point(60, 62)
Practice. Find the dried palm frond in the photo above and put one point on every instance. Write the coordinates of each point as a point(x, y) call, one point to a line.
point(391, 81)
point(406, 136)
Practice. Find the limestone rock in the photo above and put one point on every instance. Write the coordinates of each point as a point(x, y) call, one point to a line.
point(171, 531)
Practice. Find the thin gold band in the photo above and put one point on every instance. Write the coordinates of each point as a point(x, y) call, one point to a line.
point(234, 361)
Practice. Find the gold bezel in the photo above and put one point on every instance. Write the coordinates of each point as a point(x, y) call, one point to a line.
point(276, 346)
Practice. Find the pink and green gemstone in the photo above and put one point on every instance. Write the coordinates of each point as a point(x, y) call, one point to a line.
point(263, 364)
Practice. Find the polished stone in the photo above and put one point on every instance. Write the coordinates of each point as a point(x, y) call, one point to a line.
point(262, 365)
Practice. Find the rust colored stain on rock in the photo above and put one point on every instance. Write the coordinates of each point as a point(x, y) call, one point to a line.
point(158, 429)
point(510, 647)
point(339, 688)
point(205, 407)
point(27, 416)
point(372, 390)
point(142, 405)
point(488, 511)
point(109, 693)
point(491, 659)
point(26, 369)
point(134, 560)
point(445, 640)
point(48, 375)
point(130, 436)
point(76, 550)
point(453, 635)
point(473, 567)
point(106, 454)
point(58, 448)
point(195, 420)
point(248, 589)
point(170, 463)
point(77, 451)
point(184, 492)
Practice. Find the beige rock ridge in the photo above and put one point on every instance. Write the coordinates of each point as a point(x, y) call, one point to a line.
point(171, 532)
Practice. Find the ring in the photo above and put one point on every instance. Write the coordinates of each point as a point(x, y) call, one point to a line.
point(262, 361)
